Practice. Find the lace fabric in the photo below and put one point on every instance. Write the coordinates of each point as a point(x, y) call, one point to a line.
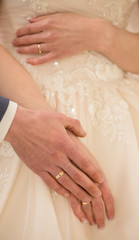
point(93, 89)
point(115, 11)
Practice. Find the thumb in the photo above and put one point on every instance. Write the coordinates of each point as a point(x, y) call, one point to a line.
point(74, 126)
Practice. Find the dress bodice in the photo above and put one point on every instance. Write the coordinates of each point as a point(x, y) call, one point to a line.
point(82, 74)
point(115, 11)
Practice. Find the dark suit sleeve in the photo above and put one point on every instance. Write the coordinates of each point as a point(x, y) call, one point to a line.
point(4, 102)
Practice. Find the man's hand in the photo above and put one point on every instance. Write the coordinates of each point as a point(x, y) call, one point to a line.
point(40, 139)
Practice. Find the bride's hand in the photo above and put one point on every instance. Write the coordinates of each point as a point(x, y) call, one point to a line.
point(58, 35)
point(93, 212)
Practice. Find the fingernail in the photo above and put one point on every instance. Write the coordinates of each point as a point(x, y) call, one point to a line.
point(27, 60)
point(93, 223)
point(83, 220)
point(29, 18)
point(101, 226)
point(111, 217)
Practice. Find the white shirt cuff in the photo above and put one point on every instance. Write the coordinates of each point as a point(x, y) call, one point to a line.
point(7, 120)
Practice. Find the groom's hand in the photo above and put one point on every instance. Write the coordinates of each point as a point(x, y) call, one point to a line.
point(40, 139)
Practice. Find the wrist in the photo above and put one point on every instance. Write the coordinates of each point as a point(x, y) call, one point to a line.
point(103, 34)
point(18, 124)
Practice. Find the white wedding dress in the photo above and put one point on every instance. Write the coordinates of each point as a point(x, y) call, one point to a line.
point(106, 100)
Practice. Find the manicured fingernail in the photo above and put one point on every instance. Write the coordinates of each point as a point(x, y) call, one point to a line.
point(111, 217)
point(84, 221)
point(101, 226)
point(92, 223)
point(27, 60)
point(29, 18)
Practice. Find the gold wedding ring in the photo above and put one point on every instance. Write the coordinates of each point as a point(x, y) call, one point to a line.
point(59, 175)
point(84, 203)
point(39, 48)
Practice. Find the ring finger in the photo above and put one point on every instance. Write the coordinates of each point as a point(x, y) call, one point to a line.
point(98, 212)
point(65, 180)
point(87, 208)
point(34, 49)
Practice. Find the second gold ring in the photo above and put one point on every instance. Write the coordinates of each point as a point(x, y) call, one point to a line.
point(85, 203)
point(59, 175)
point(39, 48)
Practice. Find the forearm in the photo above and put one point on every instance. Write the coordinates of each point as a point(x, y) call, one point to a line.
point(17, 85)
point(120, 46)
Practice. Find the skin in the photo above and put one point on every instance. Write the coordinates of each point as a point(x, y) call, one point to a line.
point(59, 40)
point(32, 140)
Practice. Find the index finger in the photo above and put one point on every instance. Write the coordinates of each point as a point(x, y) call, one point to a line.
point(30, 29)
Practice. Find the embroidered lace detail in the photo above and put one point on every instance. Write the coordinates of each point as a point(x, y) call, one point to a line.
point(90, 76)
point(108, 114)
point(97, 83)
point(115, 11)
point(6, 151)
point(3, 175)
point(37, 7)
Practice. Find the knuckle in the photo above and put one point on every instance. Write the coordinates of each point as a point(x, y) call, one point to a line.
point(82, 196)
point(89, 188)
point(85, 164)
point(56, 157)
point(49, 21)
point(29, 30)
point(98, 205)
point(76, 177)
point(25, 40)
point(96, 173)
point(49, 35)
point(62, 144)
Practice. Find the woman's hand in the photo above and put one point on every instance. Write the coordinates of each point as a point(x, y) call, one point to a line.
point(93, 212)
point(57, 36)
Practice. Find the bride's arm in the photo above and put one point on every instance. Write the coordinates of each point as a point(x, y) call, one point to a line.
point(80, 33)
point(34, 128)
point(17, 85)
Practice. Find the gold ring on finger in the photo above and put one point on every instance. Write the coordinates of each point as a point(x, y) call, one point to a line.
point(59, 175)
point(39, 48)
point(84, 203)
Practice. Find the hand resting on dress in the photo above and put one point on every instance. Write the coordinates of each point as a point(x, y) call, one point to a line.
point(94, 212)
point(40, 139)
point(58, 35)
